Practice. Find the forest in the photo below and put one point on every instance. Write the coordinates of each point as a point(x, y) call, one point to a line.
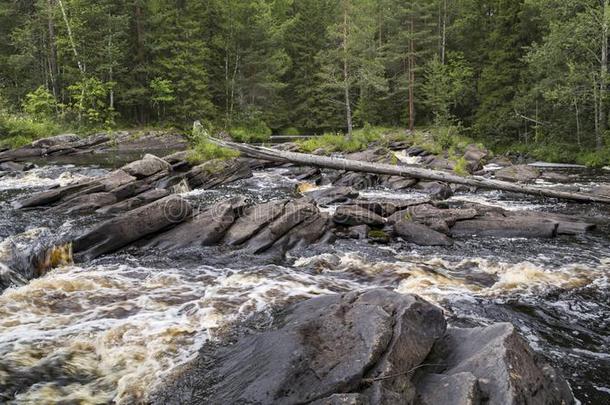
point(523, 75)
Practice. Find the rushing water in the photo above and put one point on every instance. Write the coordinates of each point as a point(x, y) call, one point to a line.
point(112, 329)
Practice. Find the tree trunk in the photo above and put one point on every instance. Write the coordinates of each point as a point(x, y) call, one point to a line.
point(53, 67)
point(444, 33)
point(81, 66)
point(346, 78)
point(411, 76)
point(577, 113)
point(603, 119)
point(274, 155)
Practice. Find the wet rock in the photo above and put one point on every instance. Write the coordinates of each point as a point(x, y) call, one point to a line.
point(359, 181)
point(146, 167)
point(116, 179)
point(359, 232)
point(417, 151)
point(518, 173)
point(314, 229)
point(455, 389)
point(130, 227)
point(12, 167)
point(556, 177)
point(294, 213)
point(436, 190)
point(139, 200)
point(512, 227)
point(399, 182)
point(429, 214)
point(439, 163)
point(352, 215)
point(205, 229)
point(56, 140)
point(476, 157)
point(506, 368)
point(420, 234)
point(333, 195)
point(343, 399)
point(49, 197)
point(87, 203)
point(21, 153)
point(318, 350)
point(253, 220)
point(30, 255)
point(217, 172)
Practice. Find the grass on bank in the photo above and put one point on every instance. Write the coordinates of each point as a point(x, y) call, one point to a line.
point(560, 153)
point(17, 131)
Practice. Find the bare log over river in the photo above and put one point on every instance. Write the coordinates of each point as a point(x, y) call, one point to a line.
point(260, 152)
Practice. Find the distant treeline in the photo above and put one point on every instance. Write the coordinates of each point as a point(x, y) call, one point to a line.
point(506, 71)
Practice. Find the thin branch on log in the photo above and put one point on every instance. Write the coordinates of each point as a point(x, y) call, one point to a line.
point(274, 155)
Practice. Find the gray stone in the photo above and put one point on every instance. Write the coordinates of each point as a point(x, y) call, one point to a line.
point(319, 350)
point(511, 227)
point(56, 140)
point(293, 214)
point(146, 167)
point(253, 220)
point(139, 200)
point(119, 232)
point(420, 234)
point(455, 389)
point(507, 369)
point(333, 195)
point(352, 215)
point(518, 173)
point(205, 229)
point(218, 172)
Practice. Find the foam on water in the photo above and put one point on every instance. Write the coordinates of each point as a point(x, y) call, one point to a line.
point(109, 333)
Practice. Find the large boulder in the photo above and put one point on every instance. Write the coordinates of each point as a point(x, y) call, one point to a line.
point(320, 350)
point(420, 234)
point(146, 166)
point(518, 173)
point(130, 227)
point(506, 370)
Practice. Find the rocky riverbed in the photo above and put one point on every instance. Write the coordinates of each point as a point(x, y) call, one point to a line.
point(161, 281)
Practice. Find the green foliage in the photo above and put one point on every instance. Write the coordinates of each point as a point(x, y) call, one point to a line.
point(254, 131)
point(89, 102)
point(17, 131)
point(162, 94)
point(40, 103)
point(291, 131)
point(202, 150)
point(360, 140)
point(446, 86)
point(461, 167)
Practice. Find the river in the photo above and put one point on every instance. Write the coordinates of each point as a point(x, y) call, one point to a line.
point(112, 329)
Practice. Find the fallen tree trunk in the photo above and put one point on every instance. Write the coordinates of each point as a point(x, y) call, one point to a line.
point(259, 152)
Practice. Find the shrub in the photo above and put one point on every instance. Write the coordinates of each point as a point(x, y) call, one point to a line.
point(291, 132)
point(17, 131)
point(252, 131)
point(40, 103)
point(203, 150)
